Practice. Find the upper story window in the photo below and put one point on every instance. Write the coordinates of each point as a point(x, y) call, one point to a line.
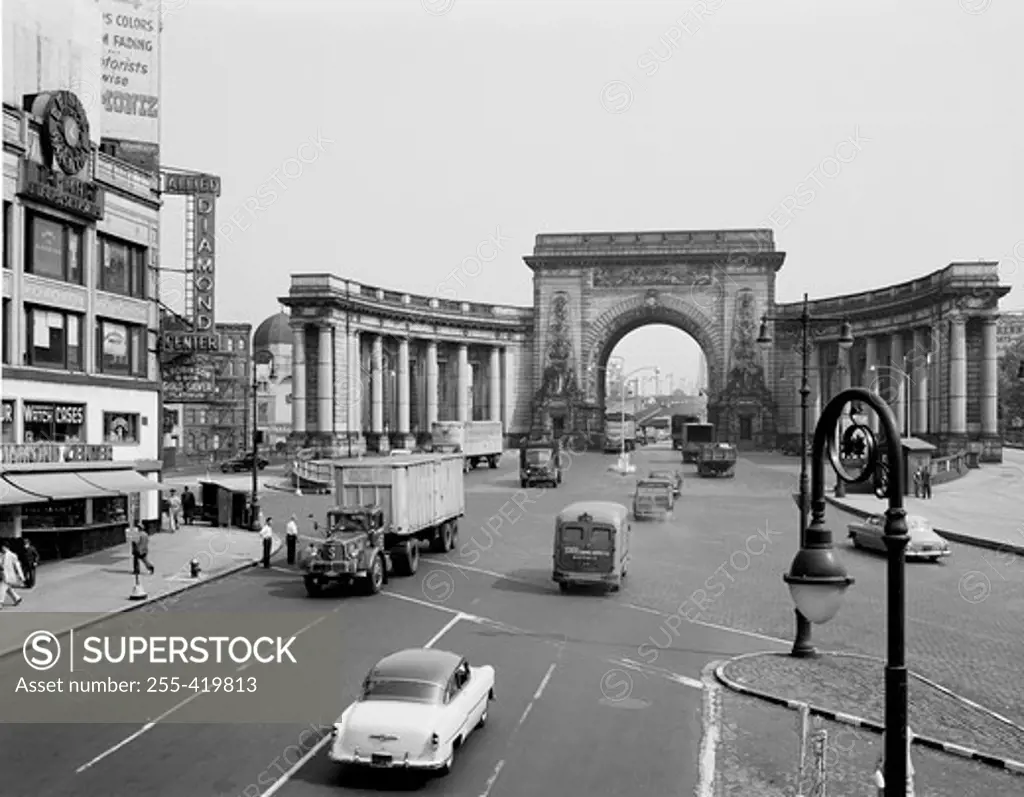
point(53, 249)
point(53, 338)
point(8, 234)
point(121, 267)
point(121, 349)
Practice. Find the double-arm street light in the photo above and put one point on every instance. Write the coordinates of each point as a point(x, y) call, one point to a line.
point(266, 358)
point(802, 647)
point(818, 582)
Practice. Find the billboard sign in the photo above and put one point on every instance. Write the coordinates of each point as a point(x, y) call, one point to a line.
point(190, 381)
point(130, 74)
point(203, 263)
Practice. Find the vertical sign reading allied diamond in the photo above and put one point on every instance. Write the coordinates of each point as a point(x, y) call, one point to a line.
point(203, 262)
point(130, 72)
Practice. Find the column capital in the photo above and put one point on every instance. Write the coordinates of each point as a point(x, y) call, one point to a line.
point(958, 317)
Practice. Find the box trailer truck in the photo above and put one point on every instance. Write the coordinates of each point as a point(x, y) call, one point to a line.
point(477, 441)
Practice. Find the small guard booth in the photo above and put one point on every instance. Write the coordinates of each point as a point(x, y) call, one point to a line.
point(917, 453)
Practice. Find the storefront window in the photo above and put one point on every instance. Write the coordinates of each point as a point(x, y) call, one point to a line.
point(8, 426)
point(53, 515)
point(54, 423)
point(122, 349)
point(120, 427)
point(110, 510)
point(54, 338)
point(53, 249)
point(122, 268)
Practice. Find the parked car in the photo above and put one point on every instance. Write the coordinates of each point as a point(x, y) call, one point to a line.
point(673, 476)
point(417, 707)
point(243, 463)
point(924, 543)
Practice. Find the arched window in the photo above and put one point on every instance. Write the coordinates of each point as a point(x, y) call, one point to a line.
point(190, 442)
point(204, 442)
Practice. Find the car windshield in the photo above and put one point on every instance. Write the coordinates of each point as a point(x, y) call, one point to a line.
point(401, 690)
point(663, 476)
point(538, 456)
point(651, 488)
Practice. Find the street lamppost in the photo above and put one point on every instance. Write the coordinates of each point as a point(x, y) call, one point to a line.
point(817, 581)
point(262, 357)
point(802, 647)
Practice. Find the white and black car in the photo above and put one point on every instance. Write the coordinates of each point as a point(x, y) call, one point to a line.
point(417, 708)
point(924, 543)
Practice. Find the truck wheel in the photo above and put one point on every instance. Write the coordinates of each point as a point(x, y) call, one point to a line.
point(406, 559)
point(442, 541)
point(493, 462)
point(375, 579)
point(559, 477)
point(522, 482)
point(563, 586)
point(313, 588)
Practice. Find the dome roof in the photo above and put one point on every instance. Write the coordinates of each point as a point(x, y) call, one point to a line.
point(275, 331)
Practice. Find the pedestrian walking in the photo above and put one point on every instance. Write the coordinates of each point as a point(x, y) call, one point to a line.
point(140, 550)
point(917, 483)
point(30, 562)
point(926, 482)
point(188, 506)
point(10, 572)
point(174, 504)
point(291, 538)
point(267, 536)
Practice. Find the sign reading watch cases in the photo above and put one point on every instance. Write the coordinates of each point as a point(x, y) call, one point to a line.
point(65, 140)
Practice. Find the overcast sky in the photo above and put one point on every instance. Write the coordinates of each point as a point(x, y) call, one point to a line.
point(880, 140)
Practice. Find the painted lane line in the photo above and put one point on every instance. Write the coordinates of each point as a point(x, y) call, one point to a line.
point(447, 627)
point(280, 783)
point(544, 682)
point(153, 723)
point(633, 606)
point(304, 629)
point(439, 607)
point(693, 683)
point(493, 778)
point(711, 714)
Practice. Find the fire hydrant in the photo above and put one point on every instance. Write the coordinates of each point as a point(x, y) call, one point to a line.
point(194, 569)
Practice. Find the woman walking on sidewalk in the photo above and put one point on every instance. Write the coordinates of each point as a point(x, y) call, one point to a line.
point(10, 571)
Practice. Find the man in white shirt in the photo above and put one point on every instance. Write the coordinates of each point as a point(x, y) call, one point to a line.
point(291, 538)
point(267, 535)
point(10, 572)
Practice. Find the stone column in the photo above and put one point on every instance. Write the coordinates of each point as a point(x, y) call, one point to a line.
point(871, 376)
point(356, 385)
point(919, 382)
point(508, 407)
point(989, 379)
point(897, 379)
point(431, 384)
point(299, 379)
point(462, 402)
point(494, 387)
point(958, 376)
point(377, 385)
point(403, 386)
point(325, 381)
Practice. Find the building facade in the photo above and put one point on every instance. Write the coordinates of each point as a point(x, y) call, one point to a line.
point(80, 380)
point(273, 339)
point(1009, 330)
point(207, 399)
point(373, 365)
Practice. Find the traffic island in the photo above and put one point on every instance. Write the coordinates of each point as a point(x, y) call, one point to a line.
point(959, 749)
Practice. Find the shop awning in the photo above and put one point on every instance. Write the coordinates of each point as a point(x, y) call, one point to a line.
point(120, 481)
point(58, 486)
point(11, 495)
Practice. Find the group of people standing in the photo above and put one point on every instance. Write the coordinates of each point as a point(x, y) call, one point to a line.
point(923, 482)
point(17, 570)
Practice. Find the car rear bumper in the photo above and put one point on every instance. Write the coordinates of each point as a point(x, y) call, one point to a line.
point(573, 577)
point(354, 759)
point(911, 555)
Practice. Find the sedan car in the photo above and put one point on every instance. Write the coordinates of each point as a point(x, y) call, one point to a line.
point(243, 463)
point(672, 476)
point(417, 708)
point(924, 542)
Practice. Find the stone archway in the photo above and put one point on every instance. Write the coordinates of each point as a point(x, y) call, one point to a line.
point(639, 311)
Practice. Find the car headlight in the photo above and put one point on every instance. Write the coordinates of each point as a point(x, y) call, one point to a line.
point(351, 549)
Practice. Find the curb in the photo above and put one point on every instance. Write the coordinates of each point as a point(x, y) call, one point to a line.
point(1005, 764)
point(952, 536)
point(132, 607)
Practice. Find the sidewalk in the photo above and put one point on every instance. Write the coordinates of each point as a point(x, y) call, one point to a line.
point(98, 584)
point(759, 745)
point(983, 507)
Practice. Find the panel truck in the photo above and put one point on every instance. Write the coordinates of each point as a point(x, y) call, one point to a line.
point(477, 441)
point(679, 430)
point(696, 435)
point(616, 426)
point(385, 509)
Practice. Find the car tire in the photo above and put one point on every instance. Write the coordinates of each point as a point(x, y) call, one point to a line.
point(522, 482)
point(855, 541)
point(483, 719)
point(446, 767)
point(313, 588)
point(375, 579)
point(563, 586)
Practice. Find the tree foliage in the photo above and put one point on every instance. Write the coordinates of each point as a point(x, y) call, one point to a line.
point(1011, 389)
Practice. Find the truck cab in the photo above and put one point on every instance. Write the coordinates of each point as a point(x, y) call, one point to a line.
point(540, 463)
point(353, 551)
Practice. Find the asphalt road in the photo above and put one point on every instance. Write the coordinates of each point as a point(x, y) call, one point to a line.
point(595, 693)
